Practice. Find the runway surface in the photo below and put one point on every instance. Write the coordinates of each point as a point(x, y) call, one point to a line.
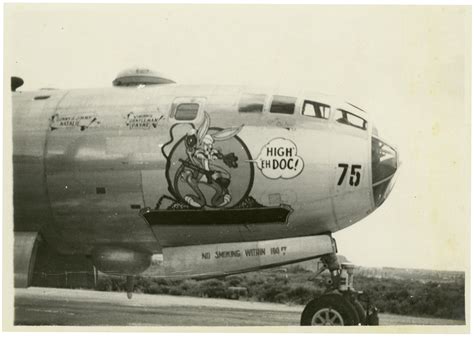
point(51, 306)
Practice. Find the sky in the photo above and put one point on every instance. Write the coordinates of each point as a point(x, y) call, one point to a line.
point(408, 66)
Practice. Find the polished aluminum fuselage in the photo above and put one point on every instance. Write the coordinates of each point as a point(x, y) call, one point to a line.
point(83, 186)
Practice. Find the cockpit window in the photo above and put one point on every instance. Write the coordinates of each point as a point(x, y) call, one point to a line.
point(252, 103)
point(186, 111)
point(283, 105)
point(348, 118)
point(315, 109)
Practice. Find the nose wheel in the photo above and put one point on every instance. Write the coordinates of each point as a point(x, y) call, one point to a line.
point(329, 309)
point(340, 304)
point(326, 316)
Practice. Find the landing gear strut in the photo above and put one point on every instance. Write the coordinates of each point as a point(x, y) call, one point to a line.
point(130, 284)
point(340, 304)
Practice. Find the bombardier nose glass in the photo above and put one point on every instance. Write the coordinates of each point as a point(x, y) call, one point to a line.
point(384, 166)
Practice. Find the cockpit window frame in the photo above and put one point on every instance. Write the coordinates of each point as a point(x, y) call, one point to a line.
point(176, 111)
point(313, 103)
point(245, 109)
point(344, 112)
point(200, 101)
point(294, 103)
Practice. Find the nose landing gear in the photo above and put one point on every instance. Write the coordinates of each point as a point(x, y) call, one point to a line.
point(340, 304)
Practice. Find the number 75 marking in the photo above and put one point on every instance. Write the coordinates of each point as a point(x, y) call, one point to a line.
point(354, 179)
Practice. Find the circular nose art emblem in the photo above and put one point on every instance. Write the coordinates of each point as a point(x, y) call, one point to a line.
point(210, 167)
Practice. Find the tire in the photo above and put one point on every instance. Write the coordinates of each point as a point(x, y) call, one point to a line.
point(331, 309)
point(360, 312)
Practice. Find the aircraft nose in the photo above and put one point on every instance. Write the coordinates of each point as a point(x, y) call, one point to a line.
point(385, 164)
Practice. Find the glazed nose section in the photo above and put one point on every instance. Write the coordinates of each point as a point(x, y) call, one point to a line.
point(384, 167)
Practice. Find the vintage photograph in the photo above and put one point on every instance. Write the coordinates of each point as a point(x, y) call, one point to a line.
point(212, 165)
